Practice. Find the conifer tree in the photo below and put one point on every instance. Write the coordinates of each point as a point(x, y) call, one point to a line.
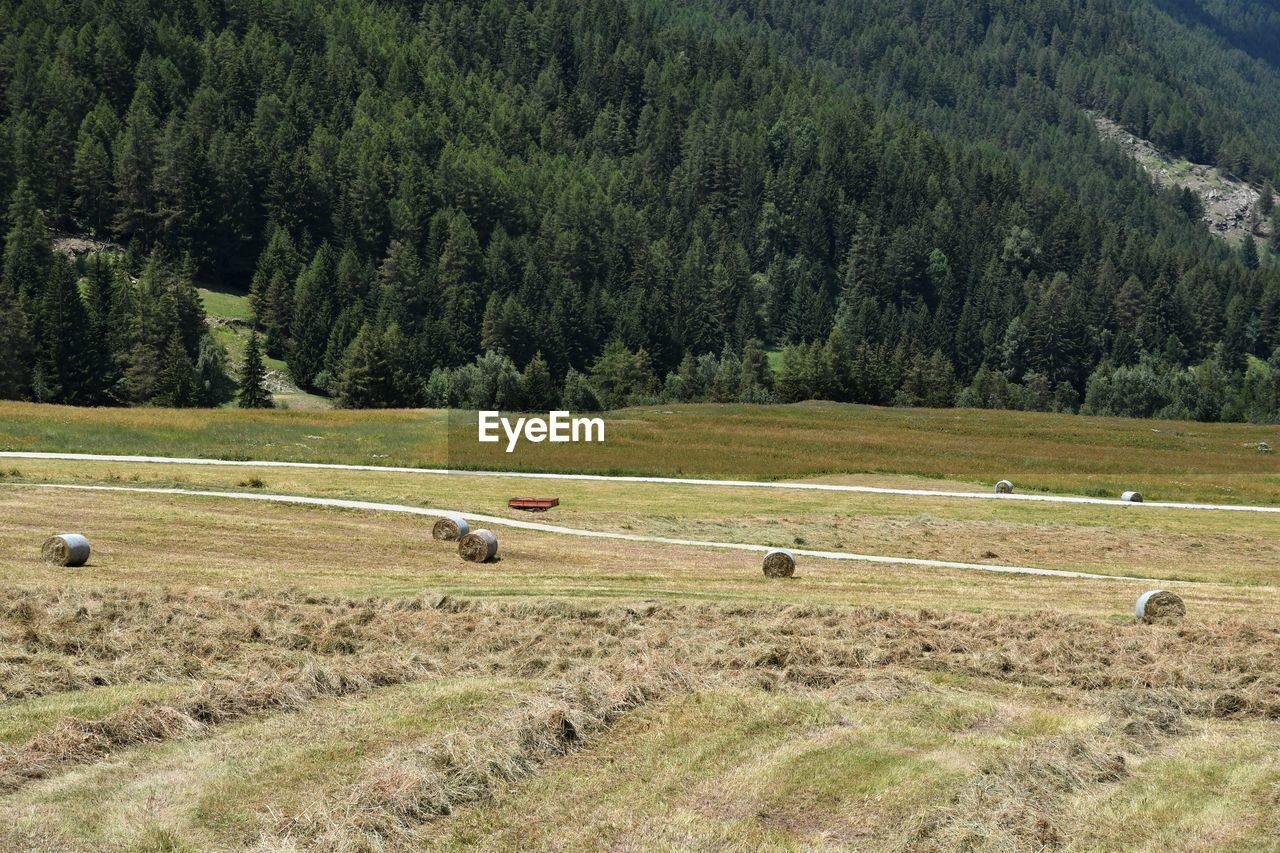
point(15, 348)
point(176, 385)
point(253, 387)
point(539, 392)
point(61, 325)
point(313, 316)
point(365, 380)
point(213, 386)
point(135, 169)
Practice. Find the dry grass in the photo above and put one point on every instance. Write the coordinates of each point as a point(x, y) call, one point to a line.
point(77, 741)
point(1016, 801)
point(240, 676)
point(1147, 542)
point(149, 541)
point(413, 786)
point(769, 645)
point(600, 663)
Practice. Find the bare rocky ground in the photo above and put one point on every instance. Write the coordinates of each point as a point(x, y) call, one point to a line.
point(74, 245)
point(1230, 204)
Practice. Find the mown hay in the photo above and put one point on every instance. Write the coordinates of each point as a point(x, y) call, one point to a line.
point(80, 741)
point(66, 549)
point(450, 528)
point(1132, 497)
point(413, 786)
point(1004, 487)
point(1158, 605)
point(779, 564)
point(1229, 705)
point(479, 546)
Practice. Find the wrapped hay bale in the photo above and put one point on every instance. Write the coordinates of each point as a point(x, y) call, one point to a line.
point(1132, 497)
point(450, 528)
point(66, 549)
point(1004, 487)
point(1157, 605)
point(479, 546)
point(779, 563)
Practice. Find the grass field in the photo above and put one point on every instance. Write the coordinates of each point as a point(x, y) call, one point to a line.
point(230, 304)
point(227, 674)
point(1040, 452)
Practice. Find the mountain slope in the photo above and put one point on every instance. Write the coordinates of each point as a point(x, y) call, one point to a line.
point(1195, 78)
point(619, 203)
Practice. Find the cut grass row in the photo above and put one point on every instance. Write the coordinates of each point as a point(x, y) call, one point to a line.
point(709, 769)
point(1039, 452)
point(788, 727)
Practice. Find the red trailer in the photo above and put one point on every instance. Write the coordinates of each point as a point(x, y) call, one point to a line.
point(533, 504)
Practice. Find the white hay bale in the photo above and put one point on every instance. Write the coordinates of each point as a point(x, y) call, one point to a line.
point(450, 528)
point(1132, 497)
point(1158, 605)
point(779, 563)
point(66, 549)
point(478, 546)
point(1004, 487)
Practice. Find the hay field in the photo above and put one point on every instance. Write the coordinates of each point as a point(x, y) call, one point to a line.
point(1140, 541)
point(235, 675)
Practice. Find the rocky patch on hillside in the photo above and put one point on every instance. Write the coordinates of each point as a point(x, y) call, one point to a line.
point(1231, 206)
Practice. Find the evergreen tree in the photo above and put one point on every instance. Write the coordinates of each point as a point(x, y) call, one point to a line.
point(15, 349)
point(458, 280)
point(135, 169)
point(253, 388)
point(1249, 252)
point(539, 392)
point(213, 386)
point(176, 382)
point(579, 396)
point(313, 316)
point(91, 180)
point(757, 377)
point(365, 380)
point(634, 195)
point(62, 354)
point(27, 258)
point(271, 290)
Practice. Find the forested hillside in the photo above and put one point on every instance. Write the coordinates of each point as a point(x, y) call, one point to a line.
point(1196, 78)
point(528, 203)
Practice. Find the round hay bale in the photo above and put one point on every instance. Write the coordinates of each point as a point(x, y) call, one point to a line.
point(1157, 605)
point(450, 528)
point(478, 546)
point(1004, 487)
point(779, 563)
point(66, 549)
point(1132, 497)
